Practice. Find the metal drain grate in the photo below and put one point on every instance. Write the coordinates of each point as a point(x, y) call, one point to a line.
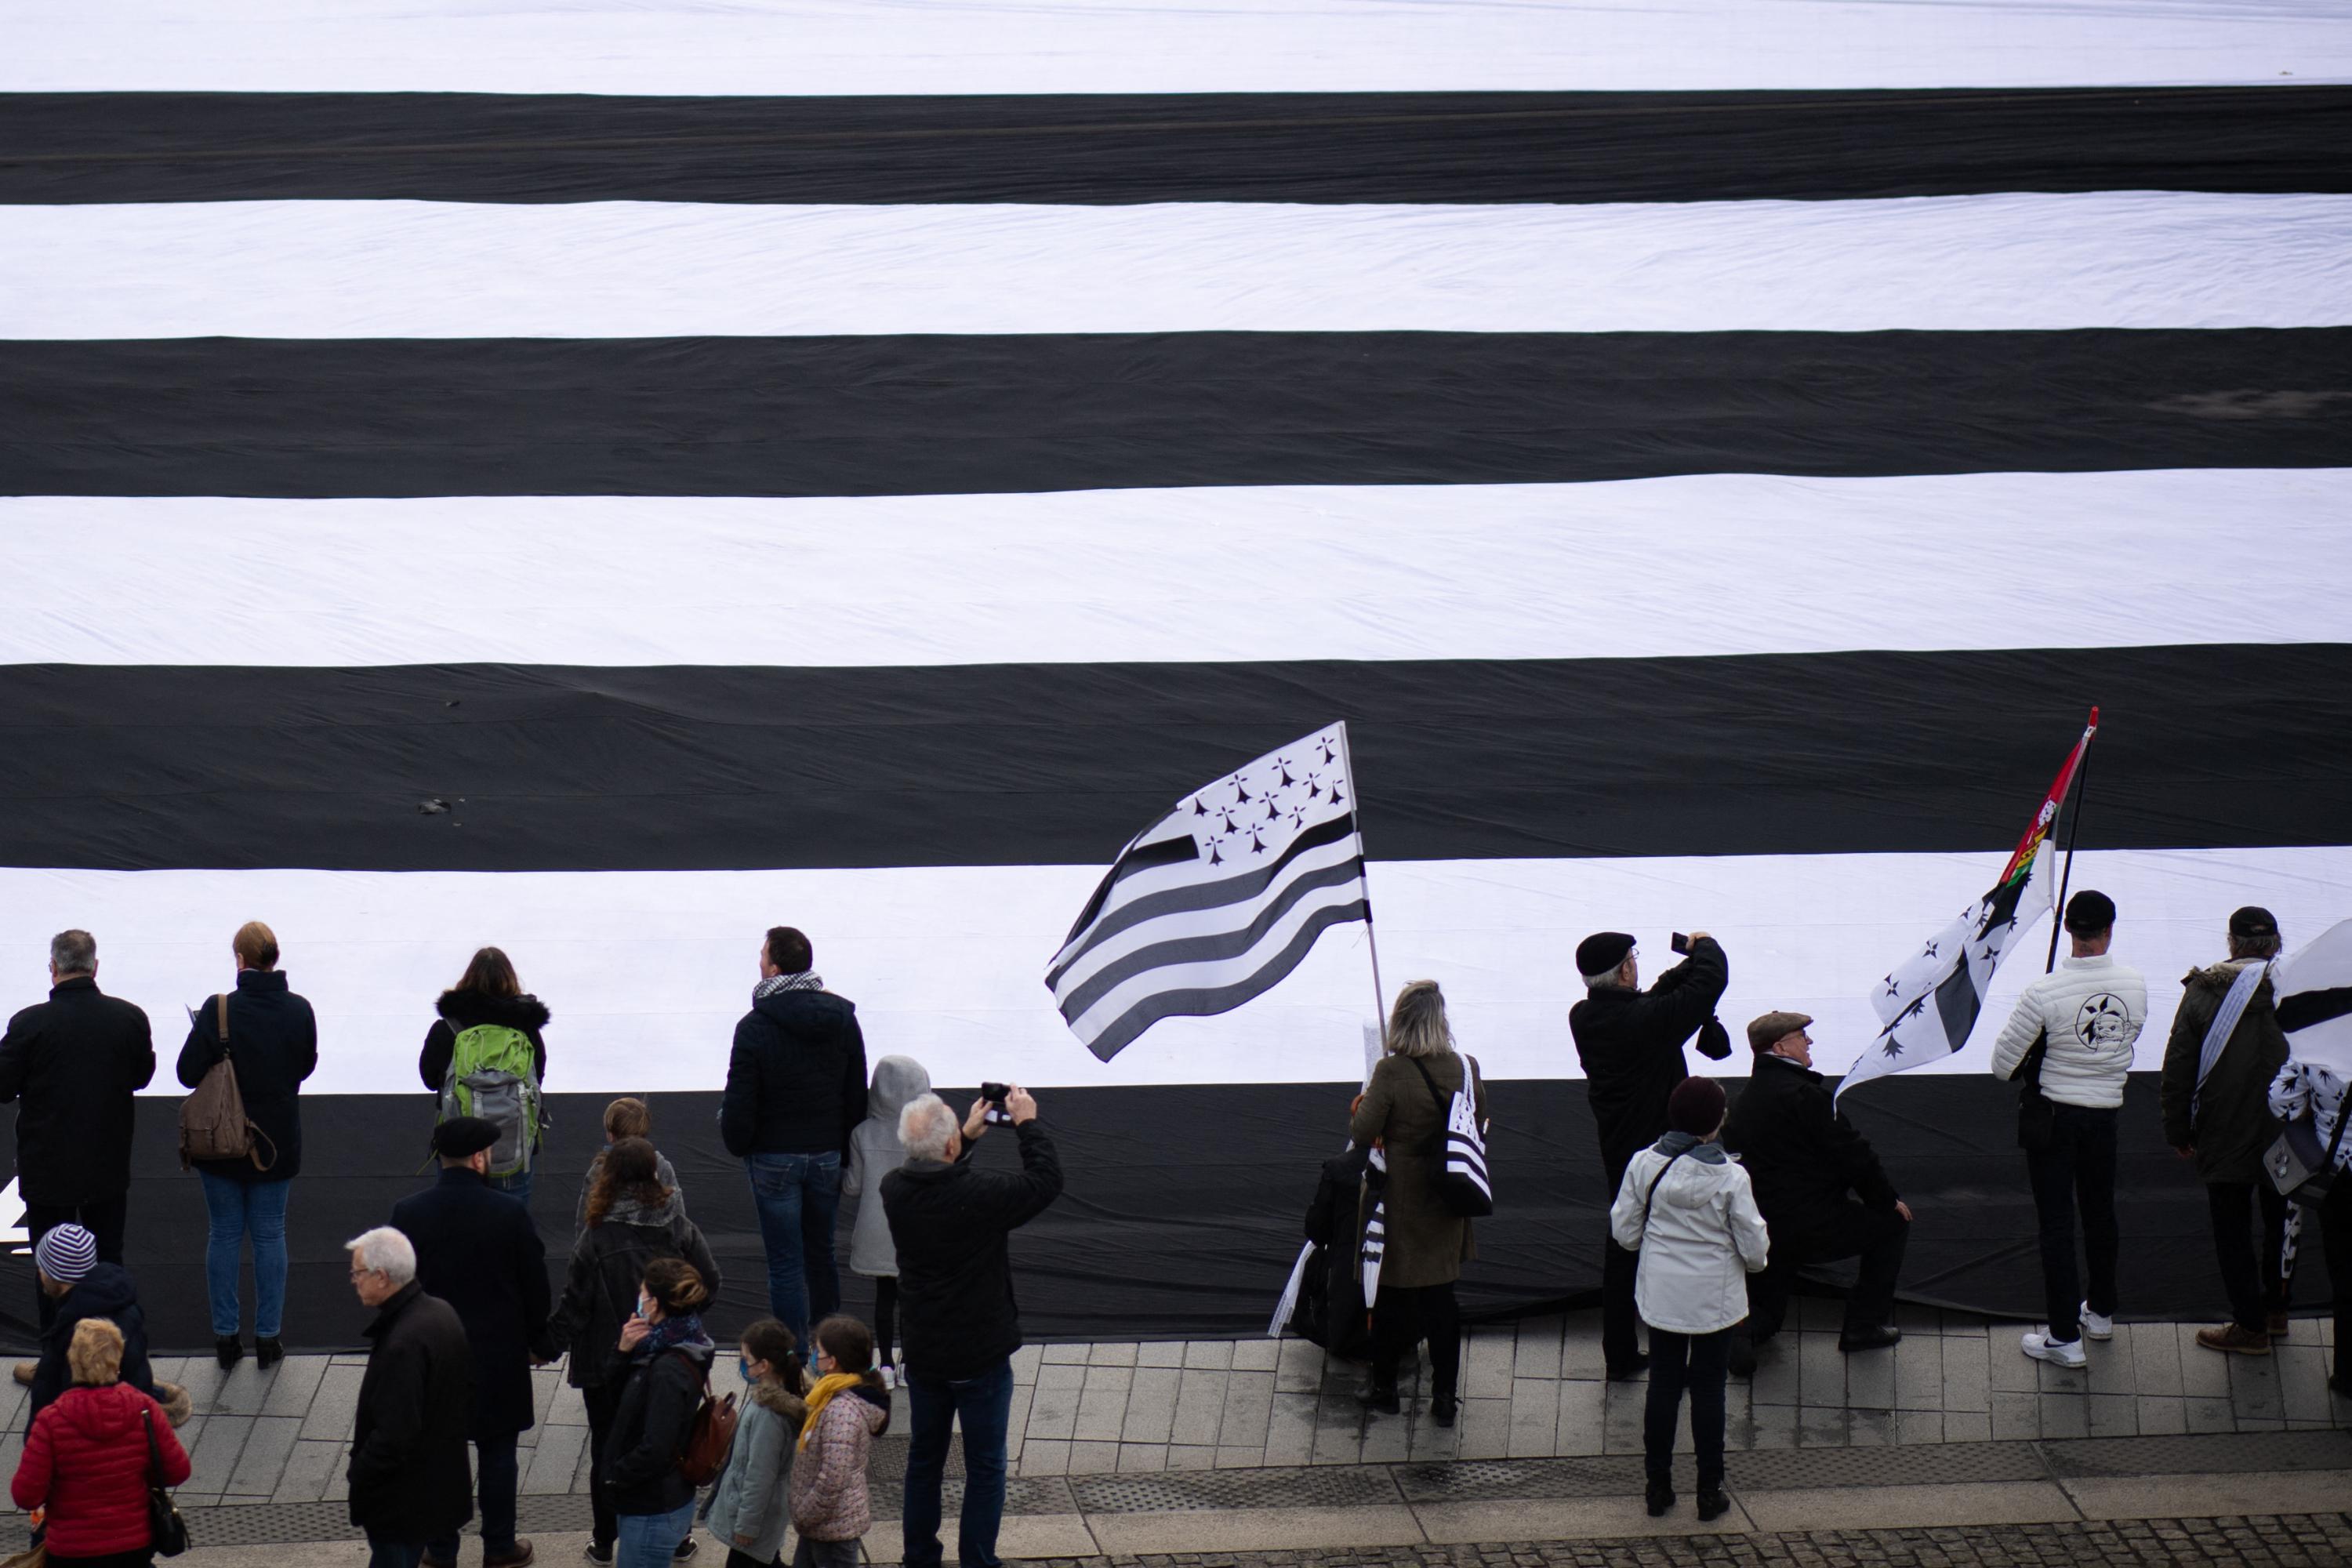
point(1921, 1463)
point(1480, 1480)
point(1022, 1495)
point(1204, 1491)
point(2220, 1452)
point(887, 1459)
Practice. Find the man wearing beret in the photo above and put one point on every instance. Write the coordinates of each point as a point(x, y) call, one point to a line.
point(1804, 1158)
point(2085, 1018)
point(1631, 1044)
point(477, 1250)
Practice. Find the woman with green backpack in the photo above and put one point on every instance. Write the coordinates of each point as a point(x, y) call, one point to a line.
point(485, 1056)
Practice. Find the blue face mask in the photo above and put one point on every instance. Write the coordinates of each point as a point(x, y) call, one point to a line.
point(744, 1365)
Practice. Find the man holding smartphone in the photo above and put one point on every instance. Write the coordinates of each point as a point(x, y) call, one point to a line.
point(1630, 1043)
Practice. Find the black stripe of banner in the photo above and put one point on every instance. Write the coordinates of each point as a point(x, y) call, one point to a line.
point(1271, 147)
point(556, 768)
point(866, 415)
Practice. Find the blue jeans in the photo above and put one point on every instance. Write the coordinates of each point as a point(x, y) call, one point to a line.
point(496, 1473)
point(239, 1209)
point(797, 1196)
point(517, 1186)
point(385, 1553)
point(984, 1403)
point(648, 1540)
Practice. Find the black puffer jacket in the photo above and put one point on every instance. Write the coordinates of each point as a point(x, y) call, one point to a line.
point(72, 1063)
point(273, 1046)
point(409, 1476)
point(106, 1291)
point(463, 1010)
point(2234, 1114)
point(600, 1284)
point(1802, 1155)
point(956, 1317)
point(1630, 1043)
point(650, 1427)
point(796, 1078)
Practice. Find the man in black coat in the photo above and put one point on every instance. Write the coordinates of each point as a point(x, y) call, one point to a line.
point(477, 1250)
point(73, 1064)
point(959, 1324)
point(1803, 1158)
point(407, 1471)
point(795, 1088)
point(1630, 1042)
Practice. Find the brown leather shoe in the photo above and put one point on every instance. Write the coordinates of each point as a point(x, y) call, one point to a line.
point(521, 1554)
point(2279, 1324)
point(2234, 1340)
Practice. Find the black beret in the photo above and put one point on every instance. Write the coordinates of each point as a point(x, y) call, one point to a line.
point(462, 1135)
point(1603, 951)
point(2089, 912)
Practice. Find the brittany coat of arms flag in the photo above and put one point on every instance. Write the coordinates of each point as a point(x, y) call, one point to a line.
point(1928, 1003)
point(1217, 900)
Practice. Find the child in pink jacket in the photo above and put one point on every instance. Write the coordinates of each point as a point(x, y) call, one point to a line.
point(847, 1409)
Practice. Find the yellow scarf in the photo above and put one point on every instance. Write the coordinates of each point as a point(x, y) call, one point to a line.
point(820, 1396)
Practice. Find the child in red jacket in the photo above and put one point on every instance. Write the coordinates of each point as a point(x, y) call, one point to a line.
point(88, 1458)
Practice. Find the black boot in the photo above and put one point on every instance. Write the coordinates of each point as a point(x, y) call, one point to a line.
point(1382, 1397)
point(229, 1351)
point(268, 1352)
point(1661, 1496)
point(1443, 1408)
point(1712, 1504)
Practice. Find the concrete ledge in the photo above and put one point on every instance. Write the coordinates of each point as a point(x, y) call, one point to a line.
point(1913, 1507)
point(1254, 1530)
point(2210, 1496)
point(1568, 1518)
point(1023, 1536)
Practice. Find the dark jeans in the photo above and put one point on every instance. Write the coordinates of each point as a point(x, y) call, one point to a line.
point(797, 1196)
point(1401, 1319)
point(385, 1553)
point(1620, 1346)
point(104, 1221)
point(984, 1405)
point(603, 1405)
point(142, 1558)
point(2079, 1166)
point(1877, 1236)
point(496, 1473)
point(825, 1553)
point(1696, 1363)
point(737, 1558)
point(2255, 1291)
point(2336, 1240)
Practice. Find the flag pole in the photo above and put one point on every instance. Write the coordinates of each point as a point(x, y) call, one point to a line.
point(1371, 940)
point(2074, 826)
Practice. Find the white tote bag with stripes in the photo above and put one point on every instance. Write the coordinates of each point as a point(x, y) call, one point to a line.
point(1463, 1186)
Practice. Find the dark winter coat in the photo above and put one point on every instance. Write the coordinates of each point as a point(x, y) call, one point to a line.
point(796, 1079)
point(600, 1284)
point(956, 1317)
point(1427, 1242)
point(410, 1478)
point(273, 1046)
point(88, 1458)
point(1330, 1309)
point(650, 1426)
point(106, 1291)
point(1630, 1043)
point(1802, 1155)
point(477, 1250)
point(72, 1063)
point(466, 1009)
point(2233, 1115)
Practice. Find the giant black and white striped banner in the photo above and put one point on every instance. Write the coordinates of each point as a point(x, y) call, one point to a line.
point(846, 466)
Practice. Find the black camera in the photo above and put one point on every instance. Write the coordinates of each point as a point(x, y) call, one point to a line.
point(992, 1096)
point(1679, 943)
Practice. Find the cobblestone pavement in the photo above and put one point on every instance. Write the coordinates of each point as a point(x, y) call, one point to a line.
point(2295, 1541)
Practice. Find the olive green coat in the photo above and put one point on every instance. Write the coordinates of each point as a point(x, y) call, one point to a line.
point(1427, 1242)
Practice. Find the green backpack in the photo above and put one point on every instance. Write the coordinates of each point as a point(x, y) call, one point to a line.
point(492, 1074)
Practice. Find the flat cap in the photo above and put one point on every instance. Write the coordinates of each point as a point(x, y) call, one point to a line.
point(2254, 921)
point(1765, 1032)
point(1603, 951)
point(2089, 912)
point(462, 1135)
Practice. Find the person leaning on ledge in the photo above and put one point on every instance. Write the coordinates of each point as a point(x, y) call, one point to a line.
point(1804, 1157)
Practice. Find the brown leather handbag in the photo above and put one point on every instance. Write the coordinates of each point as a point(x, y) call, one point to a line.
point(213, 1124)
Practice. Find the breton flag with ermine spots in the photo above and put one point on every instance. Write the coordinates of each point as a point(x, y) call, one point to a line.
point(1929, 1003)
point(1219, 900)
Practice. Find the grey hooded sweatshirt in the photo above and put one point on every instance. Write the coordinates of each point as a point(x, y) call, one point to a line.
point(874, 1152)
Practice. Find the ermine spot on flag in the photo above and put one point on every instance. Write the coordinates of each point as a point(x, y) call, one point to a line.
point(1220, 899)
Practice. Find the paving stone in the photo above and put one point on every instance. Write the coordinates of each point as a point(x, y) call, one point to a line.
point(1870, 1428)
point(1065, 1354)
point(1216, 1353)
point(295, 1384)
point(1339, 1431)
point(268, 1447)
point(1537, 1347)
point(1093, 1458)
point(2156, 1357)
point(1170, 1352)
point(1582, 1411)
point(2113, 1415)
point(1772, 1427)
point(1623, 1407)
point(1299, 1367)
point(1186, 1457)
point(1111, 1354)
point(1487, 1358)
point(1821, 1370)
point(1870, 1380)
point(1025, 1361)
point(1255, 1355)
point(2013, 1372)
point(1486, 1429)
point(2203, 1373)
point(1249, 1407)
point(212, 1459)
point(1967, 1427)
point(1290, 1433)
point(555, 1460)
point(1102, 1404)
point(335, 1405)
point(1919, 1371)
point(1918, 1427)
point(1200, 1407)
point(1388, 1439)
point(2016, 1415)
point(1776, 1378)
point(1966, 1324)
point(2208, 1414)
point(2254, 1390)
point(1825, 1426)
point(1150, 1409)
point(1054, 1407)
point(1148, 1458)
point(2302, 1377)
point(309, 1465)
point(1967, 1378)
point(1580, 1347)
point(2065, 1415)
point(1046, 1456)
point(2160, 1414)
point(1237, 1458)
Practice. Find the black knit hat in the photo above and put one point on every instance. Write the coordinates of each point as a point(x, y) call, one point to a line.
point(2088, 913)
point(1695, 1107)
point(1603, 951)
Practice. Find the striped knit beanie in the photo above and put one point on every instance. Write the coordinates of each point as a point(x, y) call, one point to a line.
point(66, 1253)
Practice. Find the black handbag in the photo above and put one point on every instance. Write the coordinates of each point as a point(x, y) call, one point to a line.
point(164, 1526)
point(2036, 1116)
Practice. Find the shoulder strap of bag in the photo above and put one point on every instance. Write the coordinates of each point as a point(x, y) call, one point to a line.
point(154, 1448)
point(1444, 1101)
point(2233, 1007)
point(1651, 1196)
point(220, 1017)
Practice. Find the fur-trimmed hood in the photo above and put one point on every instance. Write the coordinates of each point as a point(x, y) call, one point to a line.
point(782, 1401)
point(2219, 977)
point(466, 1009)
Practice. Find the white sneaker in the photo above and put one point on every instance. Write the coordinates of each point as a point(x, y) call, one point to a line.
point(2095, 1326)
point(889, 1376)
point(2057, 1352)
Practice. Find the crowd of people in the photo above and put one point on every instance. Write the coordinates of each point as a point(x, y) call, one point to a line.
point(1714, 1207)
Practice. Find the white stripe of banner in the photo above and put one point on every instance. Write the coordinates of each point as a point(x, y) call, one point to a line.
point(1637, 568)
point(647, 972)
point(1201, 46)
point(426, 269)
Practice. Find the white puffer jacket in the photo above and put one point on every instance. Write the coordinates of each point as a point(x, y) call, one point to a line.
point(2093, 1009)
point(1704, 1238)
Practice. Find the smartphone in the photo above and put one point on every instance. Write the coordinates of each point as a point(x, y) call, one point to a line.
point(1680, 943)
point(993, 1094)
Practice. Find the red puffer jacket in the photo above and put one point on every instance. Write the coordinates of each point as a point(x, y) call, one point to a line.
point(87, 1460)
